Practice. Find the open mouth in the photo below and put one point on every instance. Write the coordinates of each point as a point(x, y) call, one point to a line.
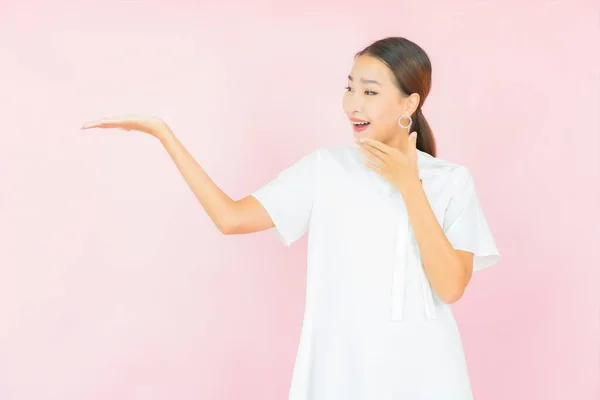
point(360, 126)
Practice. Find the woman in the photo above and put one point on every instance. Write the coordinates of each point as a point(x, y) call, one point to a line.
point(395, 234)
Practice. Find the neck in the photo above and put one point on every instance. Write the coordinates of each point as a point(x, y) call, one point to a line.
point(399, 140)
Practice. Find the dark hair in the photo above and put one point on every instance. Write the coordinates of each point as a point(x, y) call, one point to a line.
point(412, 69)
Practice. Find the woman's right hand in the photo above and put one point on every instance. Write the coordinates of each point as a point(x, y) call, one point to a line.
point(231, 217)
point(148, 124)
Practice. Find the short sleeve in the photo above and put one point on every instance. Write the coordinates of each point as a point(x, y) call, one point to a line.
point(465, 224)
point(289, 198)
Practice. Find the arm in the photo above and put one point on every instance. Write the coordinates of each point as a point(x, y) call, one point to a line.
point(243, 216)
point(231, 217)
point(448, 270)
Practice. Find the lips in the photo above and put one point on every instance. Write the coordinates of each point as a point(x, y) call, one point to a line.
point(360, 126)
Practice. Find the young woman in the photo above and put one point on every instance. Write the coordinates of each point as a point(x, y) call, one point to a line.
point(395, 234)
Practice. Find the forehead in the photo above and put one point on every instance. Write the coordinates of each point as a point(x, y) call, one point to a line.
point(368, 67)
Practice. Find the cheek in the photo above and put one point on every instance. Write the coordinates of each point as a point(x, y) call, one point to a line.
point(385, 115)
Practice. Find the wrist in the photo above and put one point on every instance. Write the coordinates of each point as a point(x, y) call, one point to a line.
point(409, 185)
point(163, 133)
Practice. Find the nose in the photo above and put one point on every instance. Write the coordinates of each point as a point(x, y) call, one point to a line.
point(353, 103)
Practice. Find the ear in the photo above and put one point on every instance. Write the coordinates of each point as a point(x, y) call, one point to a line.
point(413, 102)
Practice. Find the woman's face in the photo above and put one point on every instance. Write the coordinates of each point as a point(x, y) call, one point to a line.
point(372, 97)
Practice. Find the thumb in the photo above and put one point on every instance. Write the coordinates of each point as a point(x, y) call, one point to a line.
point(412, 142)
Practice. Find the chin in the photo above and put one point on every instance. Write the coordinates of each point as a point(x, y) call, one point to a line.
point(364, 134)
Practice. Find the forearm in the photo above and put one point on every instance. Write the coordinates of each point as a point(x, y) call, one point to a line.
point(441, 262)
point(216, 203)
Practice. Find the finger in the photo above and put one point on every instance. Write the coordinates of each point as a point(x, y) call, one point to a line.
point(110, 122)
point(383, 157)
point(372, 153)
point(370, 158)
point(94, 124)
point(412, 148)
point(412, 142)
point(372, 167)
point(384, 148)
point(103, 123)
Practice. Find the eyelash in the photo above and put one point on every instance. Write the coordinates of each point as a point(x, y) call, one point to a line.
point(367, 91)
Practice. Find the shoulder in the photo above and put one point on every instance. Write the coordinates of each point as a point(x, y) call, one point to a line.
point(346, 156)
point(328, 152)
point(337, 152)
point(453, 176)
point(461, 176)
point(319, 159)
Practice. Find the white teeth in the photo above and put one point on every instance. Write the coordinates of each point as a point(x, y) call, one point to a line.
point(360, 123)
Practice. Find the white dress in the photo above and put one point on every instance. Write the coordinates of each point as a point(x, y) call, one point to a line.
point(373, 328)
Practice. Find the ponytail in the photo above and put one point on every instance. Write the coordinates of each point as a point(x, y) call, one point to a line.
point(425, 138)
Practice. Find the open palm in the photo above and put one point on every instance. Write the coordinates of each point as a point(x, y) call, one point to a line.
point(148, 124)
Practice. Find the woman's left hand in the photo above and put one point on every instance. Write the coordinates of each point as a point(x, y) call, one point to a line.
point(400, 168)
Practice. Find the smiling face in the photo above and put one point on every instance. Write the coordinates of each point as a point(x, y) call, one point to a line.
point(373, 97)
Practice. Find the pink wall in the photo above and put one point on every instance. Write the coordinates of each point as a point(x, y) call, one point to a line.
point(114, 283)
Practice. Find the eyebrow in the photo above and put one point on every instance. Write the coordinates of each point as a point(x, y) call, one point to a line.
point(366, 80)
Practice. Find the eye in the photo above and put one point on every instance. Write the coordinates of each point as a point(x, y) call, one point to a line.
point(348, 88)
point(370, 93)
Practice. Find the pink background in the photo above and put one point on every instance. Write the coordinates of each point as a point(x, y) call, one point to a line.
point(115, 284)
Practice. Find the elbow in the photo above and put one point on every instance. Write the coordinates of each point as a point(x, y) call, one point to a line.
point(225, 230)
point(226, 222)
point(452, 295)
point(226, 226)
point(455, 290)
